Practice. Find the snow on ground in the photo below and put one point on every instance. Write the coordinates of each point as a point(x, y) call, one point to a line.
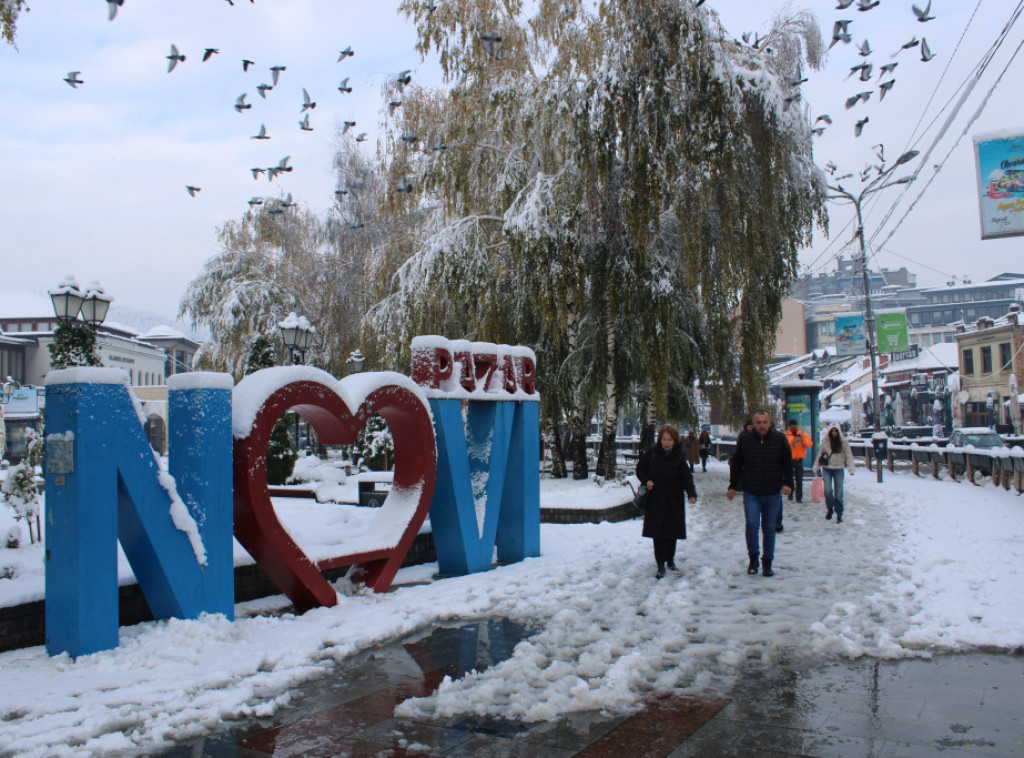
point(918, 567)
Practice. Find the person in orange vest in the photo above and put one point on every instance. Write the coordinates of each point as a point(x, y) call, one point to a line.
point(799, 442)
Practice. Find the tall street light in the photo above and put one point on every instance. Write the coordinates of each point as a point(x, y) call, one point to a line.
point(355, 362)
point(74, 343)
point(842, 195)
point(297, 335)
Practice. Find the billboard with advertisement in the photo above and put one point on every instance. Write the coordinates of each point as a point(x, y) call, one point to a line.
point(892, 332)
point(850, 338)
point(999, 157)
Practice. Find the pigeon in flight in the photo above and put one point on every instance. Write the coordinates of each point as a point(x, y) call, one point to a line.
point(493, 44)
point(852, 101)
point(788, 101)
point(246, 63)
point(393, 105)
point(866, 5)
point(112, 6)
point(859, 126)
point(818, 131)
point(193, 191)
point(307, 102)
point(288, 202)
point(431, 7)
point(906, 46)
point(209, 53)
point(439, 146)
point(405, 186)
point(884, 88)
point(256, 172)
point(282, 165)
point(346, 125)
point(361, 137)
point(341, 192)
point(356, 225)
point(175, 58)
point(795, 82)
point(824, 117)
point(844, 4)
point(831, 167)
point(275, 71)
point(840, 32)
point(304, 124)
point(275, 210)
point(343, 87)
point(865, 73)
point(922, 15)
point(262, 134)
point(403, 79)
point(345, 54)
point(262, 89)
point(858, 68)
point(887, 69)
point(255, 200)
point(240, 104)
point(865, 49)
point(926, 52)
point(73, 80)
point(410, 139)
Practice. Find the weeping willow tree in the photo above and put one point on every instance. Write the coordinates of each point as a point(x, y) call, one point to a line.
point(625, 189)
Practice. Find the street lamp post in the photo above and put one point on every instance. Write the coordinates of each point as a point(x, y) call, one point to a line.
point(355, 362)
point(297, 335)
point(842, 195)
point(74, 342)
point(7, 389)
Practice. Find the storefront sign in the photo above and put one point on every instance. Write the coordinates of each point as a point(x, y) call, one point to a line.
point(850, 339)
point(892, 332)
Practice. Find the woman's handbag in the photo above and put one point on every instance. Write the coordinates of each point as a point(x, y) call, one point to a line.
point(640, 499)
point(823, 458)
point(817, 490)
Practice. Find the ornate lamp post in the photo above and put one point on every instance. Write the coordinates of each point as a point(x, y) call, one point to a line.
point(74, 344)
point(7, 389)
point(355, 362)
point(297, 335)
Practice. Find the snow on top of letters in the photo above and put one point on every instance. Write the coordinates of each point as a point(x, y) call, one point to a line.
point(252, 392)
point(87, 375)
point(200, 380)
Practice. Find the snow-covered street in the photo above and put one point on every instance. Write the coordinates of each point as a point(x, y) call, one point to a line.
point(918, 567)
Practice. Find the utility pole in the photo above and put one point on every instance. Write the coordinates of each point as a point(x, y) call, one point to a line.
point(841, 194)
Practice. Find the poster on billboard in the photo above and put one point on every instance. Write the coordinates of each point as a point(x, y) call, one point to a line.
point(999, 157)
point(850, 335)
point(892, 332)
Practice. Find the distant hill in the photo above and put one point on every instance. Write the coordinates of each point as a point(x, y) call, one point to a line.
point(143, 321)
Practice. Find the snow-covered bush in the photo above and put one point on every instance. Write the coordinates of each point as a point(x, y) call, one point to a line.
point(375, 446)
point(19, 489)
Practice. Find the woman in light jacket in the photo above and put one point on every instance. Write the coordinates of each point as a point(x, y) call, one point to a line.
point(834, 455)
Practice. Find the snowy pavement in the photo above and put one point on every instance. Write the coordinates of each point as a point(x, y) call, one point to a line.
point(917, 567)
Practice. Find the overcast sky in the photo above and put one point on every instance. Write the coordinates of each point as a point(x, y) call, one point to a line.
point(93, 179)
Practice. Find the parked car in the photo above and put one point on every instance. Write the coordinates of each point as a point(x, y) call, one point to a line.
point(981, 437)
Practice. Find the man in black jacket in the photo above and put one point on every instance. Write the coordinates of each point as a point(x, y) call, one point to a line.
point(765, 462)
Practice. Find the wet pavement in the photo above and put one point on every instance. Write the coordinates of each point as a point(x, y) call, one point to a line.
point(950, 704)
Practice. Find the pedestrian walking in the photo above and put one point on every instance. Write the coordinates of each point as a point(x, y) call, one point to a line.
point(665, 472)
point(835, 456)
point(704, 448)
point(799, 443)
point(692, 450)
point(764, 461)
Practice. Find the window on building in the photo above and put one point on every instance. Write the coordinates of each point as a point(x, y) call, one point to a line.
point(1004, 356)
point(946, 298)
point(915, 318)
point(976, 414)
point(968, 356)
point(972, 313)
point(957, 297)
point(986, 359)
point(823, 329)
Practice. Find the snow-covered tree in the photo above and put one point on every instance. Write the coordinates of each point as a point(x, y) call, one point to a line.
point(9, 10)
point(621, 185)
point(74, 344)
point(281, 455)
point(19, 489)
point(375, 446)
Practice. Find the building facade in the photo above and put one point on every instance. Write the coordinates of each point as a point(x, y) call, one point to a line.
point(989, 354)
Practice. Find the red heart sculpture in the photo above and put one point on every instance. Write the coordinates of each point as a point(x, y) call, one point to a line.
point(256, 523)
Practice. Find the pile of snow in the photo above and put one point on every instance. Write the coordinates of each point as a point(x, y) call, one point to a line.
point(917, 567)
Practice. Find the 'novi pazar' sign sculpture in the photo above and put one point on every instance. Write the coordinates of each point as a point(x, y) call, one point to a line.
point(104, 483)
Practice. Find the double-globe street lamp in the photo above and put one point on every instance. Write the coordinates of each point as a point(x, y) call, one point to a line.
point(75, 343)
point(297, 335)
point(842, 195)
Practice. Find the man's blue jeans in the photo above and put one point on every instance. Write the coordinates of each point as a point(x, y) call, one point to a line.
point(762, 511)
point(832, 478)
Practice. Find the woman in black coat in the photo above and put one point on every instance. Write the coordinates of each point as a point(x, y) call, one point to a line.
point(665, 472)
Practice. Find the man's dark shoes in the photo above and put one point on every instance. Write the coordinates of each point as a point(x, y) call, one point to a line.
point(778, 526)
point(671, 566)
point(752, 566)
point(766, 568)
point(828, 515)
point(839, 518)
point(661, 572)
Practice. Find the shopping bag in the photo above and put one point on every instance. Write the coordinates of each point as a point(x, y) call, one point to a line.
point(817, 490)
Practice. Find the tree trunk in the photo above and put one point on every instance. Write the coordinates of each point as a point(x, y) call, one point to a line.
point(609, 425)
point(554, 443)
point(650, 427)
point(577, 414)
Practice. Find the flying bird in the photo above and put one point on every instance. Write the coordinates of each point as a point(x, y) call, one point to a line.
point(852, 101)
point(788, 101)
point(859, 126)
point(304, 124)
point(341, 192)
point(282, 165)
point(361, 137)
point(345, 54)
point(831, 167)
point(840, 32)
point(356, 225)
point(818, 131)
point(288, 202)
point(887, 69)
point(393, 105)
point(275, 209)
point(493, 44)
point(439, 146)
point(795, 82)
point(409, 139)
point(256, 172)
point(859, 67)
point(73, 80)
point(307, 102)
point(844, 4)
point(192, 190)
point(926, 52)
point(922, 15)
point(906, 46)
point(175, 58)
point(431, 7)
point(865, 49)
point(255, 200)
point(884, 88)
point(824, 117)
point(240, 104)
point(865, 73)
point(403, 79)
point(246, 63)
point(866, 5)
point(405, 186)
point(343, 87)
point(112, 6)
point(262, 134)
point(275, 72)
point(209, 53)
point(346, 125)
point(262, 89)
